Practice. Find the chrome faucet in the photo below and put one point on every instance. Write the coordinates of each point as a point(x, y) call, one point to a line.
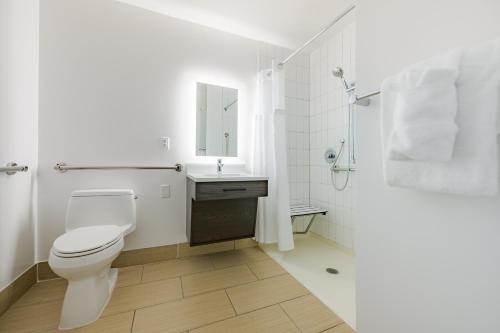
point(219, 166)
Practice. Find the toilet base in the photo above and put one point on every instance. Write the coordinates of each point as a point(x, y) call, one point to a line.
point(86, 299)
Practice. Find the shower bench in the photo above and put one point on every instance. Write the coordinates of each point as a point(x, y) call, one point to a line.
point(306, 211)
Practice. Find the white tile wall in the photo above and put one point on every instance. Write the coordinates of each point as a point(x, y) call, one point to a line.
point(329, 123)
point(297, 108)
point(317, 108)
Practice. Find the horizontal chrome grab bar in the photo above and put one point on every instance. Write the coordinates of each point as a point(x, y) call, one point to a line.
point(337, 169)
point(12, 167)
point(63, 167)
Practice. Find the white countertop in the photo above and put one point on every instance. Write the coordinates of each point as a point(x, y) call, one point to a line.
point(224, 177)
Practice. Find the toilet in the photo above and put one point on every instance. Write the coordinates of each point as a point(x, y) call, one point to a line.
point(96, 223)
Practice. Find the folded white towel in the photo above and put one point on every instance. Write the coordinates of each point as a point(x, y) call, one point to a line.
point(424, 113)
point(473, 167)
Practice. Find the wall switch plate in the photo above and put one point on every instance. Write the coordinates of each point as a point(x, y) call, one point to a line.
point(165, 140)
point(165, 191)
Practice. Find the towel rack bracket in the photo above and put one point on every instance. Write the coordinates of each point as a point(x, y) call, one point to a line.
point(60, 167)
point(12, 168)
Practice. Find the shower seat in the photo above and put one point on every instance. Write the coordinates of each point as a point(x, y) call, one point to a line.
point(304, 210)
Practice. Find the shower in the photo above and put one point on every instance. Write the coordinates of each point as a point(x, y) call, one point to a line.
point(339, 72)
point(331, 156)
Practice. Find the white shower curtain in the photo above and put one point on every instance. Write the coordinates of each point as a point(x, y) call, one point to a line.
point(270, 159)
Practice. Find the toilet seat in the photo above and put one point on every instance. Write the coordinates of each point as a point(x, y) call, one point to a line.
point(86, 241)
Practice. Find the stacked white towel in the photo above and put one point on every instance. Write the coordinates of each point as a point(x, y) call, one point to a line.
point(438, 158)
point(424, 114)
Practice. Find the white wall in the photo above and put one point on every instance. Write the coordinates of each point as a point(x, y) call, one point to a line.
point(113, 79)
point(425, 262)
point(329, 120)
point(18, 114)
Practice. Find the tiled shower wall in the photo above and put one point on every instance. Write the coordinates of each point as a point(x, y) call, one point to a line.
point(297, 90)
point(328, 124)
point(316, 107)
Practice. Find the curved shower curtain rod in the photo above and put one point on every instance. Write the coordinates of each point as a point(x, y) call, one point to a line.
point(360, 100)
point(325, 29)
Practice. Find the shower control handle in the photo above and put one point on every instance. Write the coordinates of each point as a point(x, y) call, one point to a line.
point(330, 155)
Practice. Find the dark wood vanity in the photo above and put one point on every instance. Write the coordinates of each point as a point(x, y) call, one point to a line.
point(218, 211)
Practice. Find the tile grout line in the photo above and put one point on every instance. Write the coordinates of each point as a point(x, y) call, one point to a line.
point(267, 306)
point(142, 274)
point(235, 316)
point(218, 289)
point(230, 301)
point(140, 308)
point(253, 273)
point(204, 293)
point(51, 279)
point(182, 287)
point(133, 320)
point(268, 277)
point(213, 269)
point(175, 300)
point(241, 284)
point(208, 292)
point(33, 304)
point(288, 316)
point(329, 328)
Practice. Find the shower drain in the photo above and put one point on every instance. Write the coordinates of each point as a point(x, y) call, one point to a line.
point(332, 270)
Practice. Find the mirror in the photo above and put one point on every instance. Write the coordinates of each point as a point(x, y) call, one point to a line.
point(216, 120)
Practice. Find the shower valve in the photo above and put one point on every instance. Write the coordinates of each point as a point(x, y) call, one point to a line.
point(330, 155)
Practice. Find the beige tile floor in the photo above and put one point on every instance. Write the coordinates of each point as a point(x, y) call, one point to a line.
point(235, 291)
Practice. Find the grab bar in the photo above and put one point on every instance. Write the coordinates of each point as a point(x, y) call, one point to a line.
point(63, 167)
point(12, 168)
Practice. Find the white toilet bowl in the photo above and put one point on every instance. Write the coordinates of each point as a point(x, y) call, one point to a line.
point(90, 278)
point(96, 223)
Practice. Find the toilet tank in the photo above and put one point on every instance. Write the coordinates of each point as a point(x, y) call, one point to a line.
point(100, 207)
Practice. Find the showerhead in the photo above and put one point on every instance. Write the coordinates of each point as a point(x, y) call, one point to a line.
point(338, 72)
point(350, 88)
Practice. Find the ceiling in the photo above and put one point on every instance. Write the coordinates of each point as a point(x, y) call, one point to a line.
point(286, 23)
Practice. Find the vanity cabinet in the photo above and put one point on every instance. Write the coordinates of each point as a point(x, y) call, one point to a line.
point(219, 211)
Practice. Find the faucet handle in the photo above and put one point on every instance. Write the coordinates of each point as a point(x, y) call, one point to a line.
point(219, 160)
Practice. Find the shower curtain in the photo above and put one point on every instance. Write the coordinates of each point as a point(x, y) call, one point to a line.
point(270, 159)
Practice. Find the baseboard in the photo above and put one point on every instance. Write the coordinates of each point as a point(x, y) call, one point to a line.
point(17, 288)
point(43, 272)
point(158, 253)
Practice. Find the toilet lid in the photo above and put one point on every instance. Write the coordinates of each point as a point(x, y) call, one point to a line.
point(86, 239)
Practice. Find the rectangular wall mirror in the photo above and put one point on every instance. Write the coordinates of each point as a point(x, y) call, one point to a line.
point(216, 120)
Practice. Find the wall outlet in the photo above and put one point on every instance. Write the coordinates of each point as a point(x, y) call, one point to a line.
point(165, 191)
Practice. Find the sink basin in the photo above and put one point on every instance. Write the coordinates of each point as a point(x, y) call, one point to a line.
point(224, 177)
